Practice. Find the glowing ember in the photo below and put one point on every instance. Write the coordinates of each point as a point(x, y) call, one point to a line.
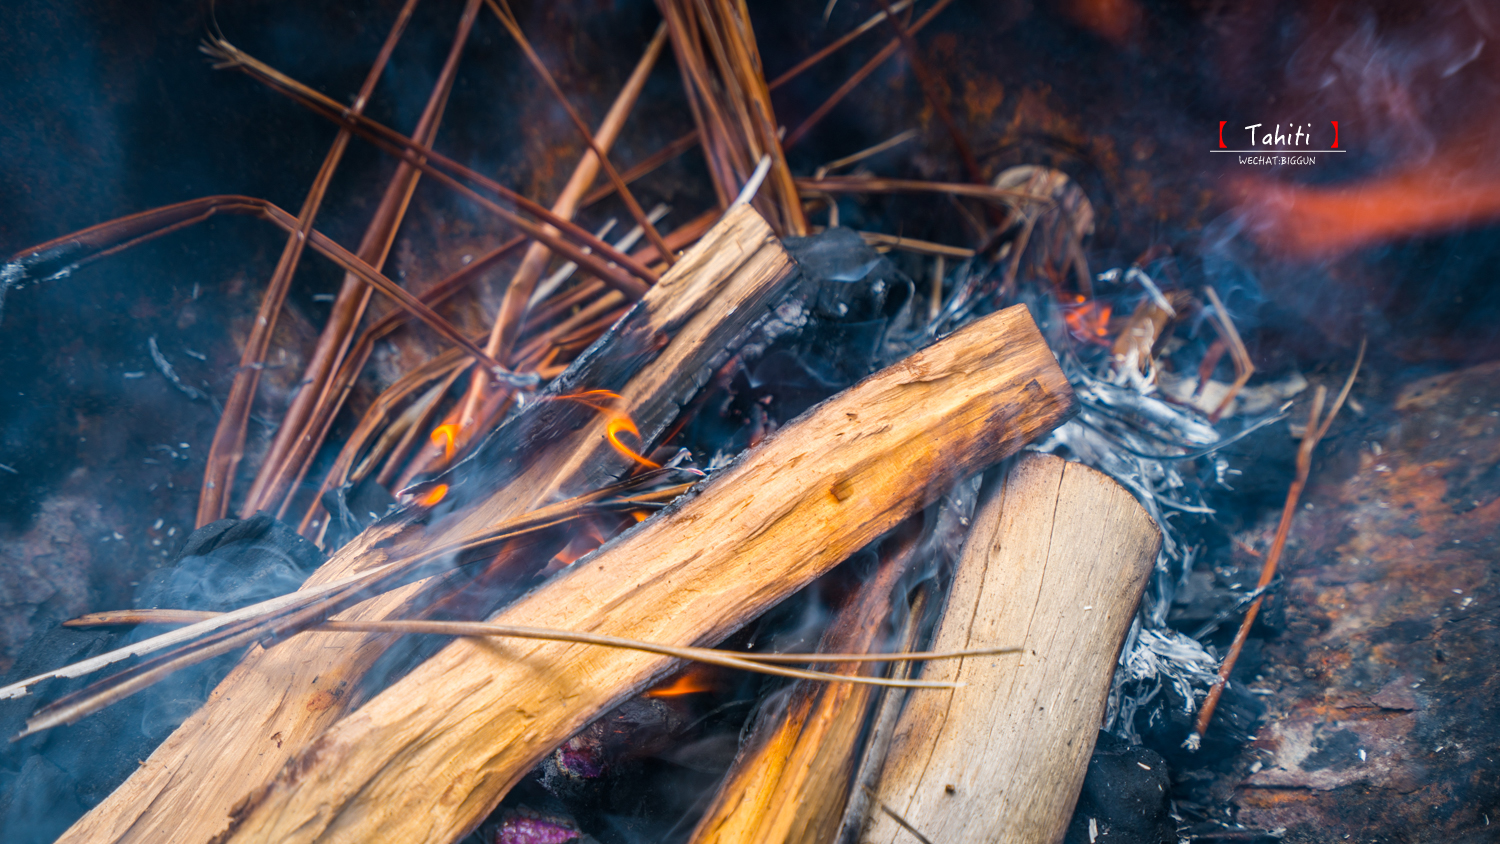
point(433, 496)
point(446, 436)
point(1088, 320)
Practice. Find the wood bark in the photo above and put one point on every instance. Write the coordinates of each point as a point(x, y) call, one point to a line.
point(1055, 563)
point(276, 700)
point(431, 756)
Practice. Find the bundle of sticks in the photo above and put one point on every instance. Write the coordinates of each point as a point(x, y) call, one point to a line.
point(305, 741)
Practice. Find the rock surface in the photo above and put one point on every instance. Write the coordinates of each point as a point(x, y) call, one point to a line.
point(1380, 682)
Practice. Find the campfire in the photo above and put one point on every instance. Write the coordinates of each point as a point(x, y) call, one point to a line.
point(711, 422)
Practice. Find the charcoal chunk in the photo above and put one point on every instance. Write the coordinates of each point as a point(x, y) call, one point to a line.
point(1124, 797)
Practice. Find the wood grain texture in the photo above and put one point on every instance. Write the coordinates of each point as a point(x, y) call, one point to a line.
point(276, 700)
point(429, 757)
point(1056, 562)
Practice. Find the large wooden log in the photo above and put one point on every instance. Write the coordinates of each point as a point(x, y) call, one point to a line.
point(429, 757)
point(1056, 562)
point(276, 700)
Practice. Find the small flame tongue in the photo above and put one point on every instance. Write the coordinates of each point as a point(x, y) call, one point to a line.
point(446, 437)
point(689, 682)
point(433, 496)
point(617, 422)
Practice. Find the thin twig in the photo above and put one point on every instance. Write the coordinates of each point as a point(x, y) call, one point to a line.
point(115, 618)
point(1317, 427)
point(1243, 366)
point(800, 67)
point(921, 247)
point(278, 618)
point(872, 184)
point(646, 165)
point(861, 75)
point(867, 152)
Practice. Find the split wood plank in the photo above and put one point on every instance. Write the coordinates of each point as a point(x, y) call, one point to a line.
point(276, 700)
point(1056, 562)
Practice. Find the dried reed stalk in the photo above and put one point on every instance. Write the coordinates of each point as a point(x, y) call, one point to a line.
point(343, 380)
point(731, 103)
point(513, 304)
point(768, 664)
point(276, 471)
point(861, 75)
point(68, 253)
point(228, 444)
point(933, 95)
point(605, 261)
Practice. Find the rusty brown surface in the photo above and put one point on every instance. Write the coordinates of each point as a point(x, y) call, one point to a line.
point(1380, 687)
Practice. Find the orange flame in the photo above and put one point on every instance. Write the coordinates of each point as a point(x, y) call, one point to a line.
point(433, 496)
point(1088, 320)
point(688, 683)
point(616, 423)
point(446, 435)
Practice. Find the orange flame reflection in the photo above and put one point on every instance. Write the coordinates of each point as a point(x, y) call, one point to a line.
point(690, 682)
point(433, 495)
point(616, 423)
point(1325, 222)
point(446, 435)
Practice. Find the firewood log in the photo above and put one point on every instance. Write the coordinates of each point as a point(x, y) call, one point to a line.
point(428, 758)
point(1056, 562)
point(791, 780)
point(276, 700)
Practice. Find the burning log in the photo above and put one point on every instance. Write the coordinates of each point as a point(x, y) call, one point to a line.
point(1056, 562)
point(429, 757)
point(277, 700)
